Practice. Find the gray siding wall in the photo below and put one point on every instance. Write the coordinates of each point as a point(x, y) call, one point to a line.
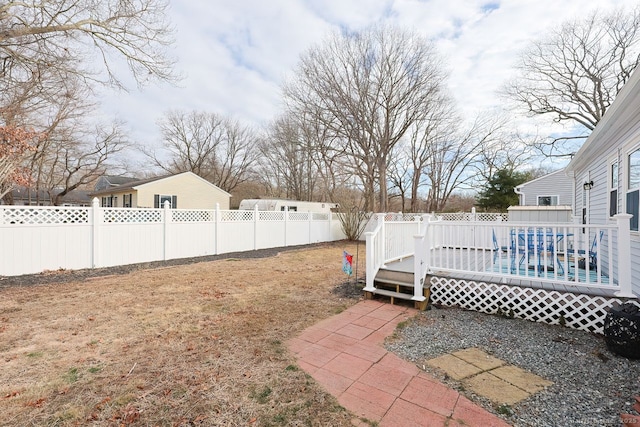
point(554, 184)
point(598, 198)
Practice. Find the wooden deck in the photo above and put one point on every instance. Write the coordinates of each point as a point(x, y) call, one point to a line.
point(480, 267)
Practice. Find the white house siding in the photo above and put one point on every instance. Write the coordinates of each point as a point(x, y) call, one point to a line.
point(621, 132)
point(554, 184)
point(192, 192)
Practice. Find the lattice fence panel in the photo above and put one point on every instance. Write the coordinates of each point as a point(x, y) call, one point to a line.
point(298, 216)
point(239, 216)
point(578, 311)
point(320, 216)
point(492, 217)
point(44, 216)
point(119, 215)
point(192, 216)
point(399, 216)
point(271, 216)
point(454, 216)
point(468, 216)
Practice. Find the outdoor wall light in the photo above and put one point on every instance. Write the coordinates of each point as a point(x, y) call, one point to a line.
point(588, 185)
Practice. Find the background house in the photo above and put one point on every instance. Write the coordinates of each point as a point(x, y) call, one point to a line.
point(606, 170)
point(32, 197)
point(548, 198)
point(553, 189)
point(184, 190)
point(290, 205)
point(108, 181)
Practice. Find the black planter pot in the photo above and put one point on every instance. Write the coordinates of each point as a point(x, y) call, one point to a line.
point(622, 330)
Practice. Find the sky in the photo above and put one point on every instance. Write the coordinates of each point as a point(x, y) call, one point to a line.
point(235, 55)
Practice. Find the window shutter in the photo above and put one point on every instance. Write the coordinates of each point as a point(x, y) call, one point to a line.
point(632, 208)
point(174, 202)
point(613, 202)
point(156, 200)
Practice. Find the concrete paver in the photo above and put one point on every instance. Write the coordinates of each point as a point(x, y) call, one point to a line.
point(489, 376)
point(479, 358)
point(455, 367)
point(495, 389)
point(520, 378)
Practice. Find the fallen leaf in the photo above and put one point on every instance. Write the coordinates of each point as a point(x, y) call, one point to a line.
point(35, 403)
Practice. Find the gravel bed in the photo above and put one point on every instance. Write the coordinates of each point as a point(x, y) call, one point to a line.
point(591, 385)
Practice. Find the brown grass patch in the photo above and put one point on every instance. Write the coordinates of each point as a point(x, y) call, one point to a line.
point(199, 344)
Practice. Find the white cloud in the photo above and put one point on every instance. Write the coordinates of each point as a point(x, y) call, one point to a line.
point(235, 55)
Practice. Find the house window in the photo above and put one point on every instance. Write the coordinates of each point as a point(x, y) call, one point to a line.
point(107, 202)
point(126, 200)
point(633, 188)
point(613, 189)
point(159, 199)
point(547, 200)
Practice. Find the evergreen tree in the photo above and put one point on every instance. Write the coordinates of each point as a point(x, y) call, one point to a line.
point(498, 193)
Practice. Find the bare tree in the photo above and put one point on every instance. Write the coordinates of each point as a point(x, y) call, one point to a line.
point(15, 146)
point(52, 56)
point(78, 162)
point(300, 160)
point(451, 159)
point(574, 73)
point(190, 141)
point(237, 156)
point(501, 148)
point(368, 88)
point(69, 35)
point(287, 159)
point(216, 148)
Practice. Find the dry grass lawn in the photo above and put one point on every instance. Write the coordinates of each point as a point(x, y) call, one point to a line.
point(200, 344)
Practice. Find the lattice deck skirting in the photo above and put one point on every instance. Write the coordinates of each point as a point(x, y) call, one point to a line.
point(578, 311)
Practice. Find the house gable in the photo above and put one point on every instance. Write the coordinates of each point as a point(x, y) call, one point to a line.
point(187, 189)
point(556, 188)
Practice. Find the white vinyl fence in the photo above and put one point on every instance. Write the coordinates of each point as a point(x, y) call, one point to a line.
point(35, 239)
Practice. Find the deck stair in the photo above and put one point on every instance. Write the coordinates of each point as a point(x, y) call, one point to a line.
point(397, 285)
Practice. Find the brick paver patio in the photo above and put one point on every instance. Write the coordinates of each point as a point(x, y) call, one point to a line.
point(345, 354)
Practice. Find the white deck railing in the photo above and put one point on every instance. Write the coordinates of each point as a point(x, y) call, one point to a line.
point(566, 254)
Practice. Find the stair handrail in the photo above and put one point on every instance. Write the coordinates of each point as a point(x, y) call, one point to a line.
point(421, 258)
point(375, 253)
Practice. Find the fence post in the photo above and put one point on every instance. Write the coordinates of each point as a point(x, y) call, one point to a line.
point(96, 221)
point(331, 227)
point(286, 223)
point(309, 220)
point(217, 235)
point(256, 216)
point(166, 218)
point(624, 255)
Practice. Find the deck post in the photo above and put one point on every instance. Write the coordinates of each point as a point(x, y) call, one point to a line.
point(624, 255)
point(370, 249)
point(420, 262)
point(382, 239)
